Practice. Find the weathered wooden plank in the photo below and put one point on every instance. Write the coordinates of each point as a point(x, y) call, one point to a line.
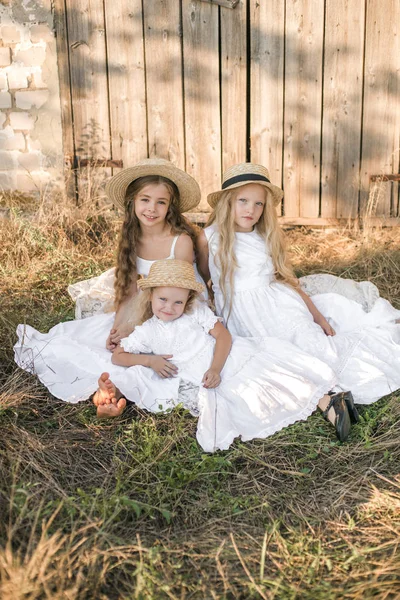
point(126, 76)
point(60, 24)
point(303, 93)
point(267, 33)
point(224, 3)
point(163, 51)
point(233, 86)
point(342, 108)
point(202, 97)
point(86, 32)
point(381, 123)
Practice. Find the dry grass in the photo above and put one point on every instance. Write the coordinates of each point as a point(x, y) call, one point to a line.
point(134, 509)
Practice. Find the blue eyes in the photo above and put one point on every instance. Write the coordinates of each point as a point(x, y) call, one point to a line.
point(165, 300)
point(244, 200)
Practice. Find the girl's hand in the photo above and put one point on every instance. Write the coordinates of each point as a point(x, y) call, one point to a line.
point(323, 323)
point(162, 366)
point(211, 379)
point(116, 335)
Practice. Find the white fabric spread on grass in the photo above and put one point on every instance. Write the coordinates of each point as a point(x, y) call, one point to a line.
point(365, 353)
point(266, 384)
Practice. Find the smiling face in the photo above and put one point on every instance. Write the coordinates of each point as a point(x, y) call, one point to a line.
point(248, 205)
point(151, 204)
point(168, 303)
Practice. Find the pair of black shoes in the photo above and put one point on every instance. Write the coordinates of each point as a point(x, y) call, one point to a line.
point(345, 413)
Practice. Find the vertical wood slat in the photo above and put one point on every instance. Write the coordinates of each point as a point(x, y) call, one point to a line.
point(233, 85)
point(202, 95)
point(342, 109)
point(303, 92)
point(126, 79)
point(60, 24)
point(163, 50)
point(86, 29)
point(381, 126)
point(267, 31)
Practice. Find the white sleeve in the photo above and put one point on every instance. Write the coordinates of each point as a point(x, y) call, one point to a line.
point(205, 317)
point(138, 342)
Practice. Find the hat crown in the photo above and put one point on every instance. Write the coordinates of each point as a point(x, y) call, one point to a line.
point(245, 169)
point(171, 272)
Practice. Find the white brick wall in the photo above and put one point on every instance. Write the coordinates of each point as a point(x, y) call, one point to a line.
point(30, 116)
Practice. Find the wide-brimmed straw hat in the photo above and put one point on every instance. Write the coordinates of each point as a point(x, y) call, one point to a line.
point(189, 191)
point(241, 175)
point(171, 272)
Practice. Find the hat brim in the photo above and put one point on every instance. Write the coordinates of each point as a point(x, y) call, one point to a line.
point(149, 282)
point(189, 191)
point(276, 192)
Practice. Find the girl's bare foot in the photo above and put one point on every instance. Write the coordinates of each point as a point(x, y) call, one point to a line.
point(108, 399)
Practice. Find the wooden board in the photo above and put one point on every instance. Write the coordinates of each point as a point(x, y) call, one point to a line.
point(202, 95)
point(381, 124)
point(233, 86)
point(342, 108)
point(163, 56)
point(86, 33)
point(60, 25)
point(126, 75)
point(303, 99)
point(267, 33)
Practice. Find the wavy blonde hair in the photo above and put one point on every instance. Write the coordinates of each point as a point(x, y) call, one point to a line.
point(142, 311)
point(126, 272)
point(267, 226)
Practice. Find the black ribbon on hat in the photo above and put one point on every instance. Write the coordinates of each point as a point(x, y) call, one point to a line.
point(245, 177)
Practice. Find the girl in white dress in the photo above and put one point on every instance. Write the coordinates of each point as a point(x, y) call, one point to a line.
point(182, 353)
point(242, 251)
point(153, 194)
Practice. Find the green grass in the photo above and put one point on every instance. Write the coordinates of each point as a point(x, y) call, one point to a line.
point(133, 509)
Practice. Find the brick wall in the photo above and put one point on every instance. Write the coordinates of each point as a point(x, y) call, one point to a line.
point(31, 155)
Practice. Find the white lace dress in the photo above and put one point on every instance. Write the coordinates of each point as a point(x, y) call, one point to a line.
point(365, 353)
point(265, 385)
point(87, 337)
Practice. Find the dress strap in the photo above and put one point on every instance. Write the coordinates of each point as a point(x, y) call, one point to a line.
point(172, 253)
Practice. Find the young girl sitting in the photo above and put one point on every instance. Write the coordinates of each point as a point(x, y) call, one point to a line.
point(243, 252)
point(181, 353)
point(153, 194)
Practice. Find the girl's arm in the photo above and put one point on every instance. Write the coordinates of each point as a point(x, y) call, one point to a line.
point(202, 256)
point(184, 248)
point(317, 316)
point(159, 364)
point(212, 377)
point(121, 328)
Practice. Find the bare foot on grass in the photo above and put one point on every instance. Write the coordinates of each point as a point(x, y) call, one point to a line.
point(108, 399)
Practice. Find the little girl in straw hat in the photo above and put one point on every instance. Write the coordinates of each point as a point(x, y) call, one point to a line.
point(256, 292)
point(181, 353)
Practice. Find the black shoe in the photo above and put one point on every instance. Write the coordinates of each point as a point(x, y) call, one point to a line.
point(348, 398)
point(342, 418)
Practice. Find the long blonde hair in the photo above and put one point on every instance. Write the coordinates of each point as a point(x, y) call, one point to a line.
point(126, 272)
point(267, 226)
point(141, 308)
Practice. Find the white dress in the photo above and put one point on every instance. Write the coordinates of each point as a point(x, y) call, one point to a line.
point(365, 353)
point(87, 337)
point(265, 385)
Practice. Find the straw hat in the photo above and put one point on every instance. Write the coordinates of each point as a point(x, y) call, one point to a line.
point(171, 272)
point(241, 175)
point(189, 190)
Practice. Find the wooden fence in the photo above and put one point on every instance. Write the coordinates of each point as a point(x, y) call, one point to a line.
point(309, 88)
